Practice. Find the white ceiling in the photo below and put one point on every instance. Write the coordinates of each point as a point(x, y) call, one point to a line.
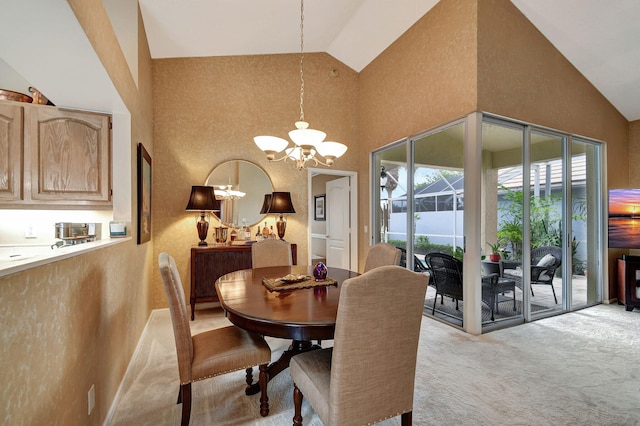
point(601, 38)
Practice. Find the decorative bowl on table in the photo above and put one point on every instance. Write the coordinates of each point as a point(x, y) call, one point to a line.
point(293, 278)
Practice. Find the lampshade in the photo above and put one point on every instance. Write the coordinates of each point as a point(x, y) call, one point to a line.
point(266, 204)
point(202, 199)
point(281, 203)
point(270, 144)
point(331, 149)
point(306, 136)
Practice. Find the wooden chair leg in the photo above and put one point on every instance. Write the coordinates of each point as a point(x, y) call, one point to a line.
point(406, 418)
point(249, 378)
point(297, 406)
point(185, 392)
point(264, 398)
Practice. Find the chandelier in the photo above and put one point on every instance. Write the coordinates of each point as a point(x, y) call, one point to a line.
point(307, 142)
point(226, 192)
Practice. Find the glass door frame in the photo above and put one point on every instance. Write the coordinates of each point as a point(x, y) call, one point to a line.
point(472, 158)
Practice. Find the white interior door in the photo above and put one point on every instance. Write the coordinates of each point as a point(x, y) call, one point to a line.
point(338, 228)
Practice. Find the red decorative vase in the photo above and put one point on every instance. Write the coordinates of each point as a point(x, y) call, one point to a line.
point(494, 257)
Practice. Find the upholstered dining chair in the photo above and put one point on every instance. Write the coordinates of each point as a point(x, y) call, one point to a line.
point(212, 352)
point(357, 383)
point(269, 252)
point(382, 254)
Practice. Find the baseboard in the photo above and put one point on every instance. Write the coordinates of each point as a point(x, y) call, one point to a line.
point(127, 374)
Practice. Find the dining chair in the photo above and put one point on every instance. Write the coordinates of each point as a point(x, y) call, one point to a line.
point(213, 352)
point(382, 254)
point(354, 382)
point(269, 252)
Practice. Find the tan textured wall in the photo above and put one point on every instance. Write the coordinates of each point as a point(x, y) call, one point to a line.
point(66, 326)
point(634, 153)
point(207, 111)
point(74, 323)
point(425, 78)
point(464, 56)
point(521, 75)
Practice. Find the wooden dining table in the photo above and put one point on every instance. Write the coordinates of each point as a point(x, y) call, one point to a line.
point(302, 315)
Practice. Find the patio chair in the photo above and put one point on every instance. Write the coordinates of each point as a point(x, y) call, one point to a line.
point(446, 274)
point(418, 265)
point(545, 261)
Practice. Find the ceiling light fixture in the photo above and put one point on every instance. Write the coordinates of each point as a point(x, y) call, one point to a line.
point(307, 141)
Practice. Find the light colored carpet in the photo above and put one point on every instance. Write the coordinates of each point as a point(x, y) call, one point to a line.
point(581, 368)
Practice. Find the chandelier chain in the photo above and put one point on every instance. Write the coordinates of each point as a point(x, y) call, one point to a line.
point(307, 142)
point(301, 60)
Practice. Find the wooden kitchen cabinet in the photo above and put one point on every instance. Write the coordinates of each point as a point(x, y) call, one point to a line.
point(70, 155)
point(56, 156)
point(210, 263)
point(11, 143)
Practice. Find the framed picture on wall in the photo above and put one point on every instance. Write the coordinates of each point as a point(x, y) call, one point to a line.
point(319, 207)
point(144, 195)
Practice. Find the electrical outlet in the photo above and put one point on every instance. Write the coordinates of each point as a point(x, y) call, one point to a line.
point(91, 398)
point(30, 232)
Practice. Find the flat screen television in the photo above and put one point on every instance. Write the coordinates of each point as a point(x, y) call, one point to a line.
point(624, 218)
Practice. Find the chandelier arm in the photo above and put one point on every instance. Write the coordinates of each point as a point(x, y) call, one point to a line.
point(275, 160)
point(317, 161)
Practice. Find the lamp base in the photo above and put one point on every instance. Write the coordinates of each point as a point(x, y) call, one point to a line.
point(203, 228)
point(281, 226)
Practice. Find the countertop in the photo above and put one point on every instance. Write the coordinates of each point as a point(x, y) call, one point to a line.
point(12, 263)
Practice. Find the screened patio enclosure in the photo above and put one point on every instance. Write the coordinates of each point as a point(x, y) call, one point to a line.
point(485, 181)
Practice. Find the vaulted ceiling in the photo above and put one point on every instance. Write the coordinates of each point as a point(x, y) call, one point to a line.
point(601, 38)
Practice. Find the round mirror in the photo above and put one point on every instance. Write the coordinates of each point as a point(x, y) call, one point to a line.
point(240, 186)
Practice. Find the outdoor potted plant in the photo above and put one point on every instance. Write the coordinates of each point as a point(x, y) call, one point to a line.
point(494, 255)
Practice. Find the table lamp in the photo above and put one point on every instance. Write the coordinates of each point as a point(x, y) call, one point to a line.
point(202, 199)
point(266, 204)
point(280, 204)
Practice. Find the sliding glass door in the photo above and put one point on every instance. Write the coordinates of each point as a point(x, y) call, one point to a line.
point(539, 230)
point(586, 228)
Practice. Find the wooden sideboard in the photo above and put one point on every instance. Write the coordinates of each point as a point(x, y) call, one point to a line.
point(211, 262)
point(629, 282)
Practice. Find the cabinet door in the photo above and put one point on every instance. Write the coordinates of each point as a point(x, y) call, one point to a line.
point(10, 152)
point(70, 156)
point(209, 266)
